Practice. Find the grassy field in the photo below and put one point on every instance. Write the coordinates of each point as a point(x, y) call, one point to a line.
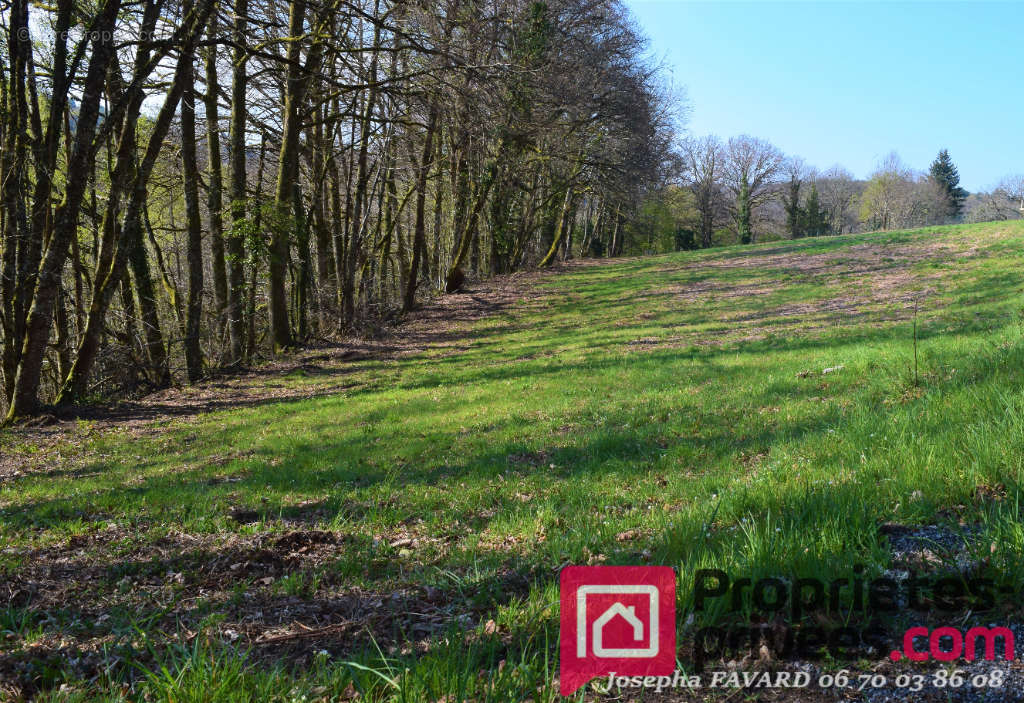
point(389, 525)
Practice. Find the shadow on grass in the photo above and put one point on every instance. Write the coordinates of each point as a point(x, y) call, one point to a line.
point(346, 463)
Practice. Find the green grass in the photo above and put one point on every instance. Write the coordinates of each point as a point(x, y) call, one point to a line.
point(678, 399)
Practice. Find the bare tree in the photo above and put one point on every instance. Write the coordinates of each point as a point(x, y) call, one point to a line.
point(751, 166)
point(839, 192)
point(992, 206)
point(1003, 202)
point(795, 172)
point(932, 204)
point(888, 197)
point(703, 164)
point(1013, 187)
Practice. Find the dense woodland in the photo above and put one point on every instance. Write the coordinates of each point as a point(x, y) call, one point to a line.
point(187, 186)
point(191, 185)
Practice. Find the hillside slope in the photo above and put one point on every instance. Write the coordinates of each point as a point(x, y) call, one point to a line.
point(750, 409)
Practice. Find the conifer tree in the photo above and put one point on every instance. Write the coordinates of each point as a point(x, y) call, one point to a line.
point(815, 219)
point(744, 229)
point(944, 172)
point(794, 213)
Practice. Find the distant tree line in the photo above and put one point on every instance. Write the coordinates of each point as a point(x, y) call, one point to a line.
point(1003, 202)
point(187, 185)
point(745, 189)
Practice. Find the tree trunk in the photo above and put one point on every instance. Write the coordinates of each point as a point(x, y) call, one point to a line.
point(287, 166)
point(362, 178)
point(438, 204)
point(129, 243)
point(419, 244)
point(563, 221)
point(236, 238)
point(318, 209)
point(193, 224)
point(305, 261)
point(26, 249)
point(25, 399)
point(338, 225)
point(214, 200)
point(254, 266)
point(466, 236)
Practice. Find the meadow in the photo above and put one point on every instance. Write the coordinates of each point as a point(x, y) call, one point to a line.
point(386, 520)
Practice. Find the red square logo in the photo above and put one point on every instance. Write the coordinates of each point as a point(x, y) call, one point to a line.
point(616, 619)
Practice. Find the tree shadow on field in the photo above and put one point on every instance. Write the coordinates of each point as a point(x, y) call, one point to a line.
point(351, 461)
point(277, 598)
point(78, 582)
point(311, 468)
point(126, 593)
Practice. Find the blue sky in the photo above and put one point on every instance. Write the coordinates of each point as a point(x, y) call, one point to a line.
point(847, 83)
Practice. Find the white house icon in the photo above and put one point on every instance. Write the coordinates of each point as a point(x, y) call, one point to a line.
point(618, 609)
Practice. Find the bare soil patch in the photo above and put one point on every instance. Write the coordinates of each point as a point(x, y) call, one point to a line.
point(869, 283)
point(274, 594)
